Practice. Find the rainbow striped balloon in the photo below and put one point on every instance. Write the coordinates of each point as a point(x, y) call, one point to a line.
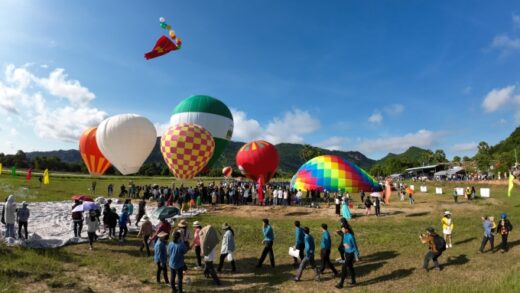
point(333, 174)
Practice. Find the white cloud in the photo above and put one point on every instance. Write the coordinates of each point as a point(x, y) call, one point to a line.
point(245, 129)
point(375, 118)
point(497, 98)
point(465, 147)
point(20, 94)
point(506, 43)
point(334, 143)
point(516, 21)
point(13, 131)
point(291, 128)
point(394, 109)
point(467, 90)
point(397, 144)
point(59, 85)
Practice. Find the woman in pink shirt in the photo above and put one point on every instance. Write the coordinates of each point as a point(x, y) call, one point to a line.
point(196, 243)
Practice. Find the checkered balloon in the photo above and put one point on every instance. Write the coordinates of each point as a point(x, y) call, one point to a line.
point(187, 149)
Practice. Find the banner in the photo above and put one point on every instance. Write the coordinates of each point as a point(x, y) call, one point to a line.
point(485, 192)
point(510, 187)
point(438, 190)
point(46, 177)
point(424, 189)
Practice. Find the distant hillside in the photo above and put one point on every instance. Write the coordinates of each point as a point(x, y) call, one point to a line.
point(393, 163)
point(509, 144)
point(290, 159)
point(412, 154)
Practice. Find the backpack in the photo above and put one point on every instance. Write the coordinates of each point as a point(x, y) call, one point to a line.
point(76, 215)
point(3, 214)
point(440, 243)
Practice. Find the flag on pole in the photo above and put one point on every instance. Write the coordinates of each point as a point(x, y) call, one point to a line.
point(510, 188)
point(46, 176)
point(29, 174)
point(0, 168)
point(13, 171)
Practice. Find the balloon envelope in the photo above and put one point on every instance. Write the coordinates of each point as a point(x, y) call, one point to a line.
point(258, 160)
point(96, 163)
point(186, 149)
point(126, 140)
point(227, 171)
point(209, 113)
point(334, 174)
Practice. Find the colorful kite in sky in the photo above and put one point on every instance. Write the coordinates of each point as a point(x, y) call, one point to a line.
point(333, 174)
point(164, 44)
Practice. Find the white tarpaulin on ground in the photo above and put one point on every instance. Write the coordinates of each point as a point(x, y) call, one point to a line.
point(459, 190)
point(438, 190)
point(485, 192)
point(424, 189)
point(50, 224)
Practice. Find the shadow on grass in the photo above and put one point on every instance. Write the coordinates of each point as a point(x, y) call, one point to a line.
point(392, 213)
point(456, 260)
point(465, 240)
point(381, 255)
point(418, 214)
point(393, 276)
point(365, 269)
point(297, 214)
point(513, 244)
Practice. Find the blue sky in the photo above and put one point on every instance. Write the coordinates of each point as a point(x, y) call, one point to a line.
point(373, 76)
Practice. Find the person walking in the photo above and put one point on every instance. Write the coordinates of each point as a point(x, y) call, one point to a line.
point(345, 211)
point(145, 232)
point(377, 206)
point(487, 224)
point(268, 244)
point(209, 269)
point(177, 250)
point(337, 203)
point(436, 246)
point(111, 219)
point(325, 247)
point(455, 195)
point(22, 214)
point(309, 257)
point(351, 252)
point(228, 247)
point(182, 227)
point(124, 219)
point(160, 257)
point(368, 205)
point(504, 228)
point(92, 223)
point(77, 219)
point(196, 243)
point(141, 211)
point(299, 242)
point(447, 228)
point(9, 216)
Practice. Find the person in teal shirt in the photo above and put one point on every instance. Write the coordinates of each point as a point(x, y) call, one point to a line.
point(351, 250)
point(177, 250)
point(268, 244)
point(309, 257)
point(160, 257)
point(299, 241)
point(325, 247)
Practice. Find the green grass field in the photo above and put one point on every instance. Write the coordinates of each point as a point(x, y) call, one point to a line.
point(391, 254)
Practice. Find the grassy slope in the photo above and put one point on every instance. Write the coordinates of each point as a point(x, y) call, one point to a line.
point(391, 254)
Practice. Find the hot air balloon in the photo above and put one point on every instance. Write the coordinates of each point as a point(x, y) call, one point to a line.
point(227, 171)
point(96, 163)
point(334, 174)
point(212, 115)
point(186, 149)
point(126, 140)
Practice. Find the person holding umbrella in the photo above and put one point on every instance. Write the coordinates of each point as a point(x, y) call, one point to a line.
point(92, 223)
point(77, 218)
point(163, 226)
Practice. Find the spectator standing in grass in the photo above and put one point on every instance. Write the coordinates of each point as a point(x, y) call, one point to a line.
point(447, 228)
point(145, 232)
point(504, 228)
point(23, 214)
point(227, 248)
point(160, 257)
point(196, 243)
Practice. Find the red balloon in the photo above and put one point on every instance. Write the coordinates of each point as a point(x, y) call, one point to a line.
point(96, 163)
point(258, 160)
point(227, 171)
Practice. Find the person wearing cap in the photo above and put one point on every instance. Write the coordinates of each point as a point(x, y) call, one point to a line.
point(268, 244)
point(447, 228)
point(177, 250)
point(163, 226)
point(182, 228)
point(124, 219)
point(145, 232)
point(350, 250)
point(299, 243)
point(309, 257)
point(228, 247)
point(159, 257)
point(325, 247)
point(22, 214)
point(196, 243)
point(504, 228)
point(92, 223)
point(433, 240)
point(487, 224)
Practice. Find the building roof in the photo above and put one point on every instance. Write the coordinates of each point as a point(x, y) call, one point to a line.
point(450, 172)
point(422, 168)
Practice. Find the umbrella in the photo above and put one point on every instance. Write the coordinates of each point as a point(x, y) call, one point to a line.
point(166, 212)
point(86, 206)
point(82, 197)
point(375, 194)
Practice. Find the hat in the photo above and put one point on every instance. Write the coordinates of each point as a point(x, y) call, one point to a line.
point(447, 213)
point(197, 223)
point(225, 226)
point(162, 234)
point(113, 210)
point(24, 203)
point(182, 223)
point(503, 215)
point(145, 217)
point(430, 229)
